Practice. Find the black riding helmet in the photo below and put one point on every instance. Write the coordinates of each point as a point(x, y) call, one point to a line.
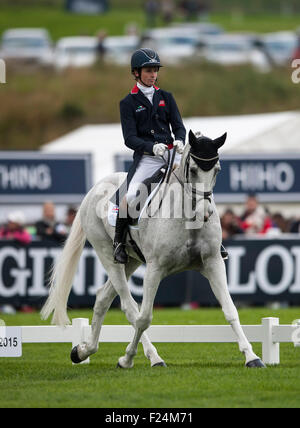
point(144, 58)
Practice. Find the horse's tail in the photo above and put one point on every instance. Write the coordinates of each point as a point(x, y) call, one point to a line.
point(63, 274)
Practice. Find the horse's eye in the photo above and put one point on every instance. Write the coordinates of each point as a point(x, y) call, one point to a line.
point(194, 171)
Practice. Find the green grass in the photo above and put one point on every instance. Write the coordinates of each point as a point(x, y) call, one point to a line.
point(61, 23)
point(198, 375)
point(260, 23)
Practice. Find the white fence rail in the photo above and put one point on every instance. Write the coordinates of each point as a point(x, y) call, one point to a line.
point(269, 333)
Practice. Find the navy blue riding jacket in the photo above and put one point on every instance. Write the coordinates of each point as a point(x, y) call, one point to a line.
point(144, 124)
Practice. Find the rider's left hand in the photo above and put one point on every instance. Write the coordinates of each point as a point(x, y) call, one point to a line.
point(179, 146)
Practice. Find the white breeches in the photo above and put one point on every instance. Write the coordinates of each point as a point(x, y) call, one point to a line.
point(147, 167)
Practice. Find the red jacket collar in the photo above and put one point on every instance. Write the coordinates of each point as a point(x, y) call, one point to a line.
point(135, 89)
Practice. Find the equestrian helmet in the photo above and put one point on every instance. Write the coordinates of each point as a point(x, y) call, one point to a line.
point(144, 58)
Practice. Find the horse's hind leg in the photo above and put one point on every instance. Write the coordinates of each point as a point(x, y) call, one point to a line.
point(214, 271)
point(131, 310)
point(104, 298)
point(118, 275)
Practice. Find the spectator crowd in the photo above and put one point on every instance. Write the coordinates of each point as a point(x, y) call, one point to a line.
point(166, 9)
point(254, 220)
point(47, 228)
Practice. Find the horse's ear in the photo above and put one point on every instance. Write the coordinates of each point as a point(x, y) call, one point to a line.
point(221, 140)
point(192, 138)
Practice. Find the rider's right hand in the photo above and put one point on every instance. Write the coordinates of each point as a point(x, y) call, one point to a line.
point(159, 149)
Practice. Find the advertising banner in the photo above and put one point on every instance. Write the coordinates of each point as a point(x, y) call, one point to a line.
point(258, 271)
point(33, 177)
point(273, 178)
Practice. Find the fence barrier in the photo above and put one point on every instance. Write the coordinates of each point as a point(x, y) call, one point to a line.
point(269, 333)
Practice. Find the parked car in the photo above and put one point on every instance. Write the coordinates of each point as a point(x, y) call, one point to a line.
point(231, 49)
point(201, 28)
point(172, 44)
point(279, 46)
point(75, 52)
point(27, 44)
point(118, 49)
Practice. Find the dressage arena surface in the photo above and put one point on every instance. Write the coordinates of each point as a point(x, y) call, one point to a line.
point(198, 374)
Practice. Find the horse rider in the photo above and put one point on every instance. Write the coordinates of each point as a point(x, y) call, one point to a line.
point(147, 114)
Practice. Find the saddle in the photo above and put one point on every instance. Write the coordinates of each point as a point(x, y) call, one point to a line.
point(145, 198)
point(151, 184)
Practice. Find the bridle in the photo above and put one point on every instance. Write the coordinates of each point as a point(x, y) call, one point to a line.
point(205, 195)
point(169, 170)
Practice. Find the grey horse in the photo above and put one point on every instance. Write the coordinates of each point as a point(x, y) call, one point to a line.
point(182, 232)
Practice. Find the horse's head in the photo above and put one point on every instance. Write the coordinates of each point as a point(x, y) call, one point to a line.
point(202, 166)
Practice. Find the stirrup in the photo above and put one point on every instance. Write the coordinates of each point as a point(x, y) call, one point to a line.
point(120, 255)
point(224, 253)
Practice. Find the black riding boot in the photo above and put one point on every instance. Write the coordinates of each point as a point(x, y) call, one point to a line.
point(224, 253)
point(120, 255)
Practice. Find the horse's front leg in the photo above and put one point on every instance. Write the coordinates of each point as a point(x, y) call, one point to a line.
point(151, 282)
point(214, 271)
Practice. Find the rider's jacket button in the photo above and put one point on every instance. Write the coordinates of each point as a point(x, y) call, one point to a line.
point(152, 131)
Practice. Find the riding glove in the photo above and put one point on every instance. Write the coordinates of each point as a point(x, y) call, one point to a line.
point(159, 149)
point(179, 146)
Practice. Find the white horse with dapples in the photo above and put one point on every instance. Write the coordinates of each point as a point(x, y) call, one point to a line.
point(168, 246)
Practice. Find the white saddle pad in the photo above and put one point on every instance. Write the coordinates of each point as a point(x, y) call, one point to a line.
point(113, 209)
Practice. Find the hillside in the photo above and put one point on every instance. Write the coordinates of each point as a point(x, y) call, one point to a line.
point(39, 106)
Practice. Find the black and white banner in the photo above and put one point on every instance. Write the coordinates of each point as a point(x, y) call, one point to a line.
point(35, 177)
point(258, 271)
point(274, 178)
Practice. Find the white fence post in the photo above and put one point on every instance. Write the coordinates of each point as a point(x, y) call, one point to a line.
point(78, 333)
point(2, 71)
point(270, 349)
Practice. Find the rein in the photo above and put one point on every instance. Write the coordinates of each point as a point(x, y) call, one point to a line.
point(165, 179)
point(167, 175)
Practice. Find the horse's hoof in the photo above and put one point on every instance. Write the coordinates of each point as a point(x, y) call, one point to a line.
point(118, 366)
point(161, 364)
point(256, 364)
point(74, 356)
